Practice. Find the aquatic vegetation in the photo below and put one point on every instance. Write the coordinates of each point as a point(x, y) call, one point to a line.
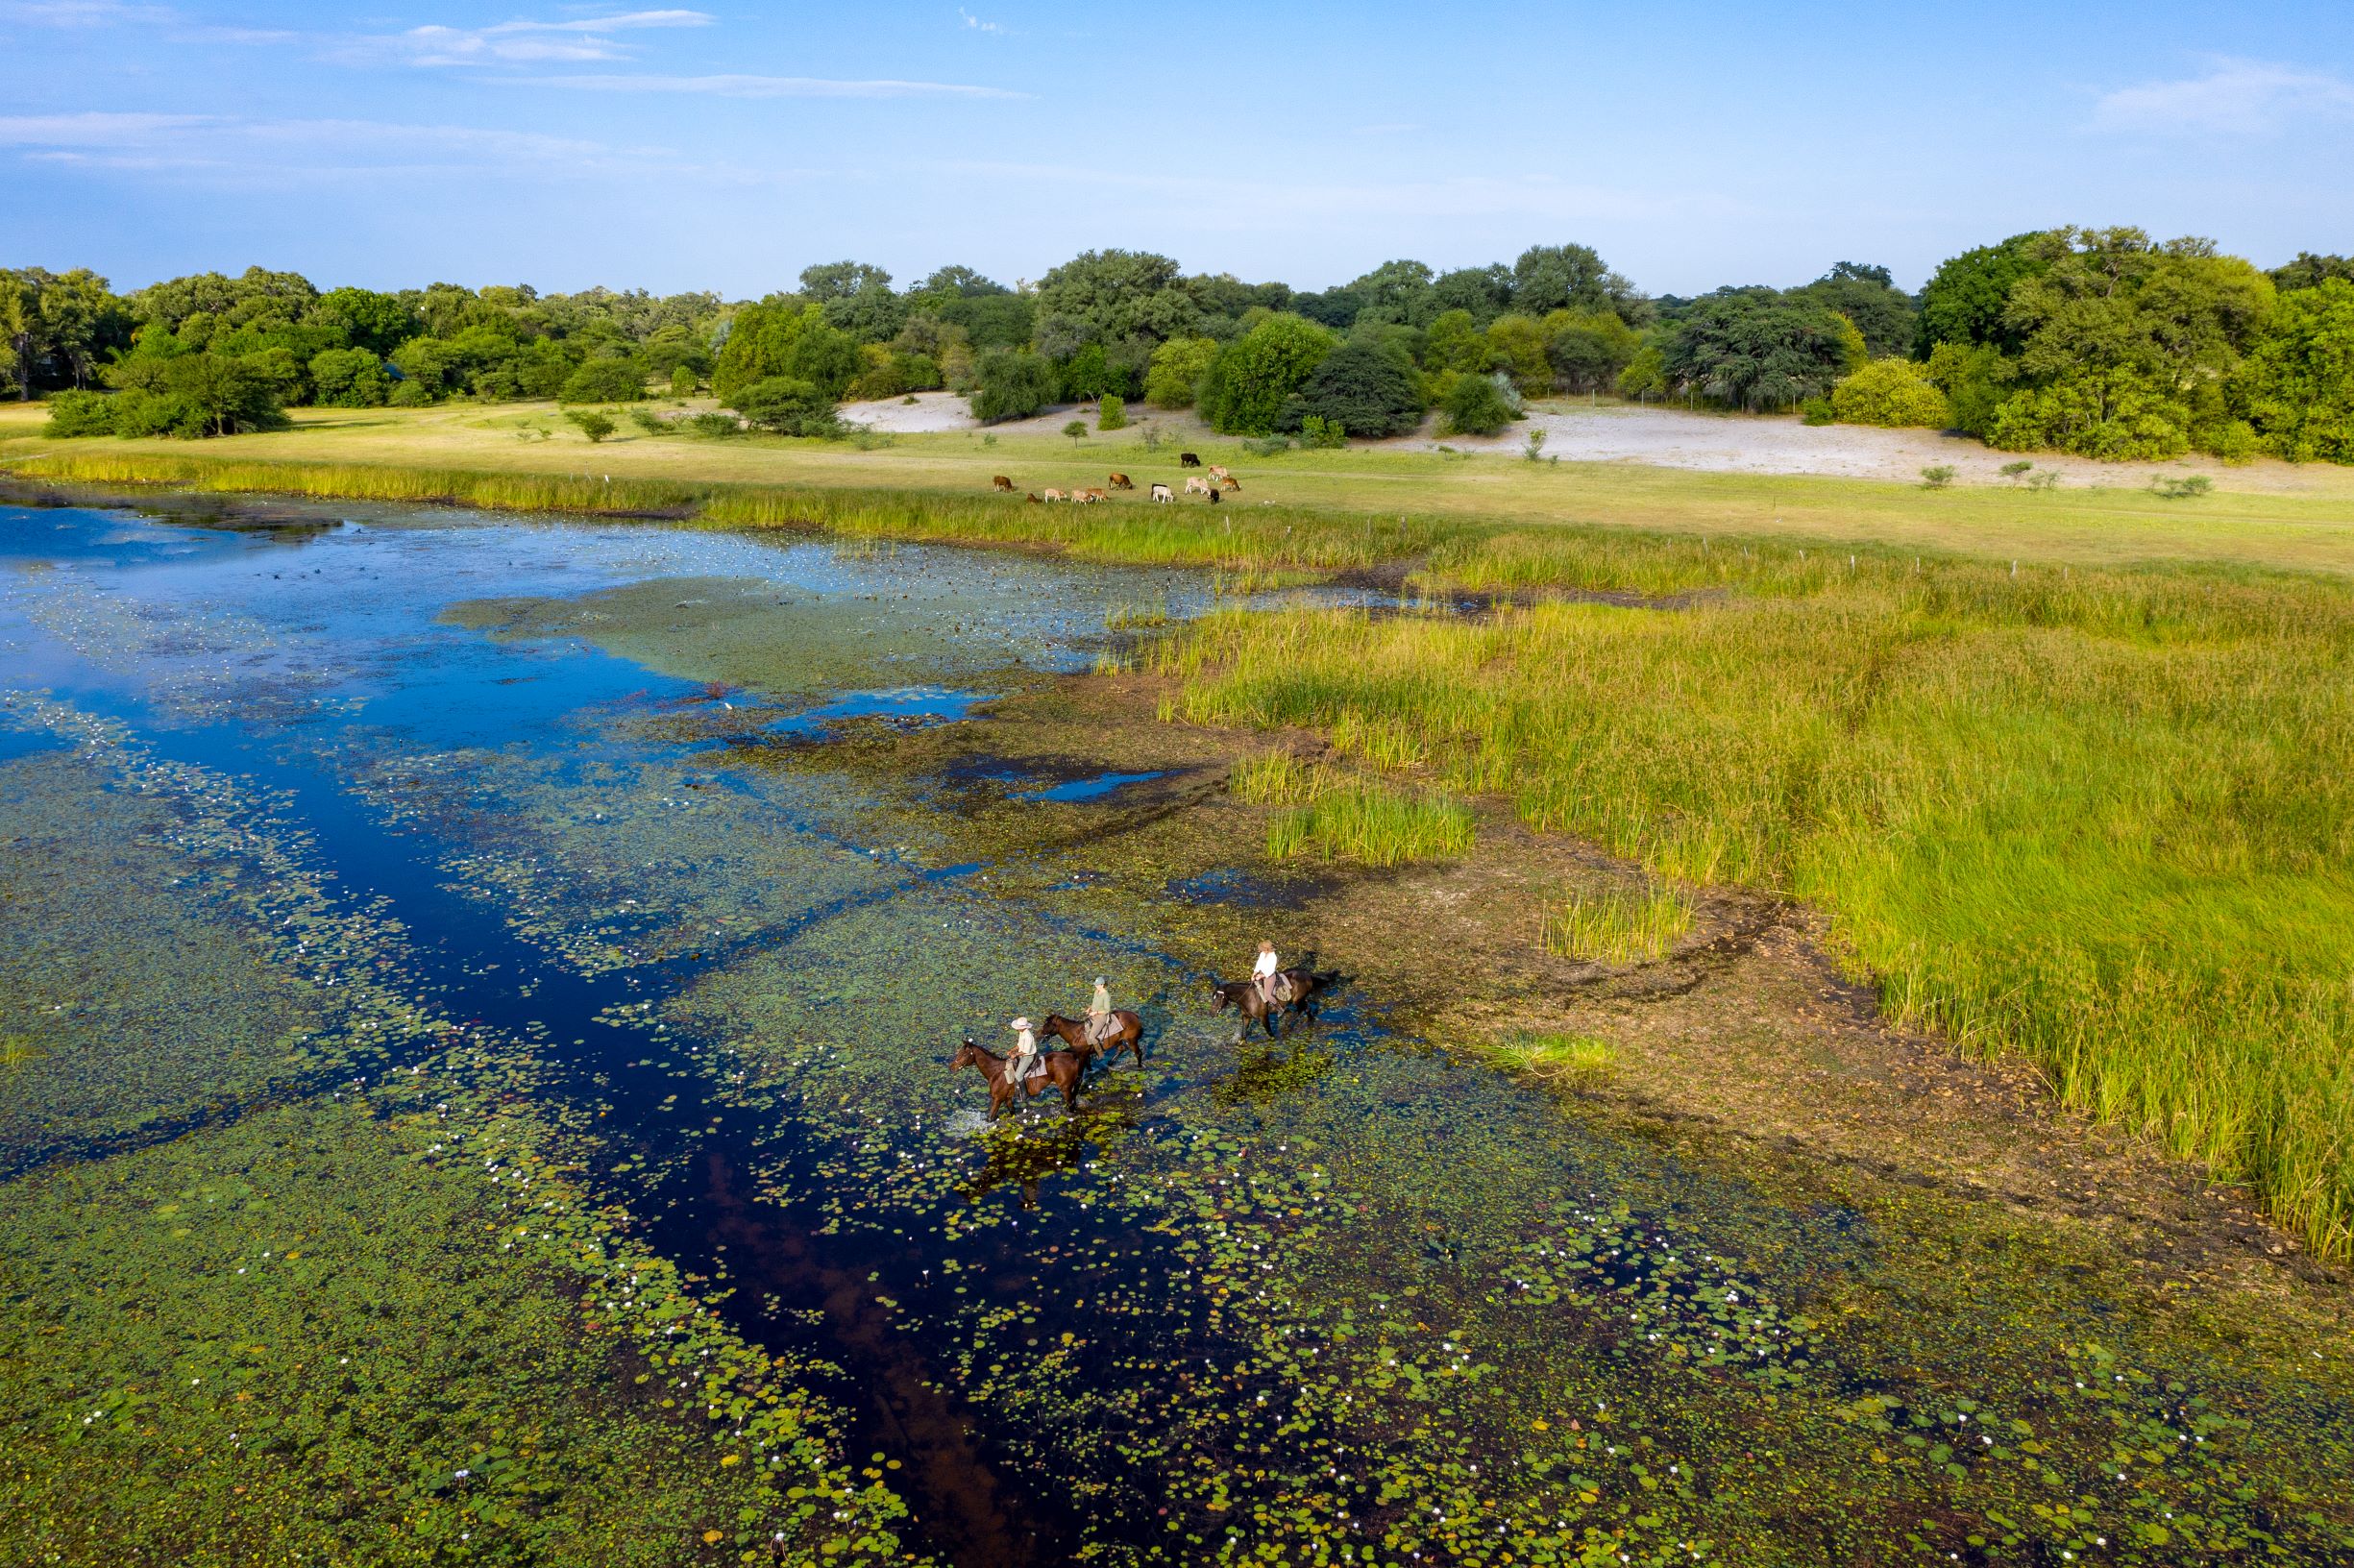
point(1373, 823)
point(2093, 818)
point(1567, 1057)
point(1618, 927)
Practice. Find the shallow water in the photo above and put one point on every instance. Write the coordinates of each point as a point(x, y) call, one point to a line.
point(1342, 1299)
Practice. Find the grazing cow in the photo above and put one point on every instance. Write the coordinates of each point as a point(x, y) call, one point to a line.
point(1086, 497)
point(1033, 501)
point(1185, 459)
point(1196, 485)
point(1054, 495)
point(1229, 481)
point(1216, 472)
point(1162, 492)
point(1001, 482)
point(1121, 481)
point(1213, 495)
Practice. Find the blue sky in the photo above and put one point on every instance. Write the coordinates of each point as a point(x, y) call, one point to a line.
point(727, 146)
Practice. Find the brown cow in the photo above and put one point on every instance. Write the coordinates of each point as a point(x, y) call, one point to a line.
point(1120, 482)
point(1185, 459)
point(1230, 482)
point(1087, 497)
point(1033, 501)
point(1003, 483)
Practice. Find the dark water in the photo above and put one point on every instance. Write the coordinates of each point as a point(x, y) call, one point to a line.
point(1246, 1274)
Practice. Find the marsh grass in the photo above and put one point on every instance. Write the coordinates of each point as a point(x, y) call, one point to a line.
point(1619, 926)
point(1338, 815)
point(1558, 1057)
point(2100, 819)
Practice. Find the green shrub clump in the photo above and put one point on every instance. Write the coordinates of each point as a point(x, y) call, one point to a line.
point(787, 406)
point(1478, 405)
point(79, 413)
point(1113, 415)
point(1013, 383)
point(1894, 394)
point(605, 381)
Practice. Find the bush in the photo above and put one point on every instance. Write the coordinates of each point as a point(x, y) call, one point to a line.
point(1478, 405)
point(1252, 379)
point(349, 378)
point(2185, 488)
point(1937, 476)
point(788, 405)
point(1817, 412)
point(1177, 369)
point(138, 411)
point(651, 423)
point(412, 394)
point(1113, 415)
point(1014, 383)
point(81, 414)
point(593, 425)
point(684, 381)
point(605, 381)
point(1893, 394)
point(1320, 434)
point(716, 424)
point(1363, 386)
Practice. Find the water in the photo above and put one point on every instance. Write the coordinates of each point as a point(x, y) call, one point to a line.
point(614, 793)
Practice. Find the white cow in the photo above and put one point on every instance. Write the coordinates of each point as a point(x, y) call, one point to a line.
point(1162, 492)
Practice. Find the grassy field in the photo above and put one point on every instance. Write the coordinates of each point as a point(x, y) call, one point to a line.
point(2070, 772)
point(1434, 491)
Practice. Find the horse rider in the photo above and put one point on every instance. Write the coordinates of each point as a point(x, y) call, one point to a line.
point(1099, 1021)
point(1023, 1060)
point(1269, 972)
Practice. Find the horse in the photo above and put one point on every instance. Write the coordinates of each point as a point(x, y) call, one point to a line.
point(1062, 1071)
point(1072, 1032)
point(1245, 997)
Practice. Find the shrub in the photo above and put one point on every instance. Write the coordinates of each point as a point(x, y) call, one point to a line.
point(1893, 394)
point(1364, 387)
point(1817, 412)
point(2189, 486)
point(1478, 405)
point(647, 420)
point(2012, 471)
point(684, 381)
point(788, 405)
point(81, 414)
point(593, 425)
point(410, 394)
point(1255, 376)
point(1177, 369)
point(1013, 383)
point(1533, 447)
point(1113, 415)
point(716, 424)
point(1320, 434)
point(349, 378)
point(1937, 476)
point(605, 381)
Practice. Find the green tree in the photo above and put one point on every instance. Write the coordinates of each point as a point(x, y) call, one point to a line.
point(79, 413)
point(829, 280)
point(1455, 342)
point(2310, 271)
point(1966, 299)
point(788, 405)
point(1516, 346)
point(1892, 393)
point(616, 380)
point(2296, 387)
point(1588, 349)
point(1476, 406)
point(1395, 291)
point(1756, 348)
point(1011, 383)
point(1176, 370)
point(1549, 278)
point(1866, 296)
point(365, 319)
point(1076, 430)
point(1252, 377)
point(778, 339)
point(1113, 415)
point(349, 378)
point(1112, 297)
point(1485, 292)
point(57, 326)
point(1365, 389)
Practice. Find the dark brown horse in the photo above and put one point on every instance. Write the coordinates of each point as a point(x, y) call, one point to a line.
point(1072, 1032)
point(1245, 997)
point(1062, 1071)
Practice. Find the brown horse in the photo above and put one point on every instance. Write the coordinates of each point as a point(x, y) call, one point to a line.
point(1072, 1032)
point(1245, 997)
point(1062, 1071)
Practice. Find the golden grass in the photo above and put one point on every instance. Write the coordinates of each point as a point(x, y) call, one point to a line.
point(1618, 927)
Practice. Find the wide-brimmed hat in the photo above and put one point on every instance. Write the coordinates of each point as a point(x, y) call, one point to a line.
point(1019, 1023)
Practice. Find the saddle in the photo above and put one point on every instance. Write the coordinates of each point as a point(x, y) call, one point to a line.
point(1103, 1028)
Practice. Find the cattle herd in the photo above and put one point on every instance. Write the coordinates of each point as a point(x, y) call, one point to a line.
point(1195, 485)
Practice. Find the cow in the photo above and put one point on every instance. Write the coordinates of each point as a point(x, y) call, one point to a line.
point(1213, 495)
point(1033, 501)
point(1162, 492)
point(1196, 485)
point(1001, 482)
point(1185, 459)
point(1054, 495)
point(1229, 481)
point(1216, 472)
point(1121, 481)
point(1086, 497)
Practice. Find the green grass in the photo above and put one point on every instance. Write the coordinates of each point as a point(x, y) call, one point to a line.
point(2104, 818)
point(1338, 816)
point(1619, 927)
point(1561, 1057)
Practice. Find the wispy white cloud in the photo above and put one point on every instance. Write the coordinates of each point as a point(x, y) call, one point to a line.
point(577, 41)
point(93, 128)
point(78, 13)
point(2235, 97)
point(765, 86)
point(974, 24)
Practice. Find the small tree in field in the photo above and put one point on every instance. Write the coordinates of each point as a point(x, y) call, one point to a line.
point(1076, 429)
point(1114, 414)
point(683, 382)
point(594, 425)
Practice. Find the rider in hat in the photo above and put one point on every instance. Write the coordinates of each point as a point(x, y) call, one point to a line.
point(1024, 1060)
point(1269, 972)
point(1099, 1012)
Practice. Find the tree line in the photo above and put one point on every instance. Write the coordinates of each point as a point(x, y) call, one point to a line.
point(2102, 342)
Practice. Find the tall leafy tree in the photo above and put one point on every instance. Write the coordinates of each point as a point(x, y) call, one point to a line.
point(1760, 349)
point(1252, 377)
point(2312, 271)
point(1395, 291)
point(1549, 278)
point(1485, 292)
point(1965, 300)
point(1112, 297)
point(2296, 387)
point(1368, 390)
point(1866, 296)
